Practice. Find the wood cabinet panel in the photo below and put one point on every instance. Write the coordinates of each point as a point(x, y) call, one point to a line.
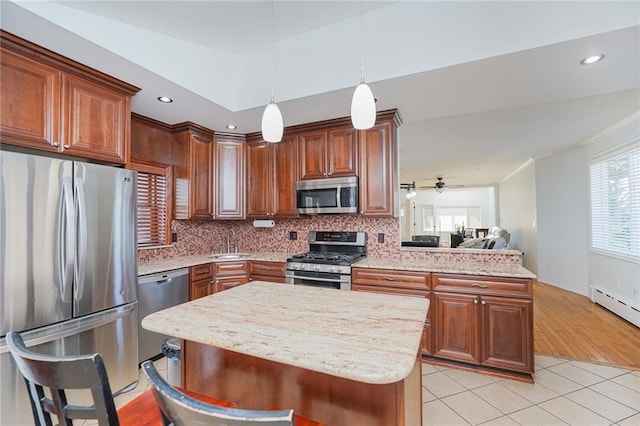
point(192, 156)
point(201, 174)
point(496, 286)
point(230, 268)
point(271, 269)
point(457, 331)
point(96, 120)
point(150, 141)
point(395, 278)
point(378, 171)
point(225, 283)
point(507, 324)
point(200, 280)
point(342, 158)
point(272, 173)
point(30, 107)
point(285, 157)
point(52, 103)
point(259, 179)
point(313, 149)
point(229, 189)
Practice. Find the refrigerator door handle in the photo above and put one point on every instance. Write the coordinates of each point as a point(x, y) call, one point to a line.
point(81, 258)
point(67, 244)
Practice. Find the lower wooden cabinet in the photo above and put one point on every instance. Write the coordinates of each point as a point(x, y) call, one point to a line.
point(229, 274)
point(200, 280)
point(267, 271)
point(480, 320)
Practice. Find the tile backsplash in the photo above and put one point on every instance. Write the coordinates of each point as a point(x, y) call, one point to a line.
point(201, 237)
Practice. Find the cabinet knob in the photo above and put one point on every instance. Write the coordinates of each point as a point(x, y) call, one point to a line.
point(475, 301)
point(484, 302)
point(56, 144)
point(67, 145)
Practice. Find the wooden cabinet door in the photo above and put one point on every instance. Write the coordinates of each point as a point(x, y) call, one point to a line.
point(285, 176)
point(30, 107)
point(200, 289)
point(377, 152)
point(225, 283)
point(229, 190)
point(507, 324)
point(201, 168)
point(342, 159)
point(313, 149)
point(259, 177)
point(96, 120)
point(457, 332)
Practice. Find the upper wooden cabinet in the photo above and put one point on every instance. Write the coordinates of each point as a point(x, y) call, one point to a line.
point(328, 153)
point(378, 155)
point(54, 104)
point(150, 140)
point(193, 172)
point(272, 173)
point(228, 184)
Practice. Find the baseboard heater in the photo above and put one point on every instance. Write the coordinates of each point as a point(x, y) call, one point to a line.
point(619, 307)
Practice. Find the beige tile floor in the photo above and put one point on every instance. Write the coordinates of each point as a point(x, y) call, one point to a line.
point(565, 393)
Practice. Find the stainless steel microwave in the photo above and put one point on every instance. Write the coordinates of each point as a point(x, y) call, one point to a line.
point(332, 195)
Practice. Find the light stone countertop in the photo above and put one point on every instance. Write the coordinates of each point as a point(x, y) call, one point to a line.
point(367, 337)
point(187, 261)
point(512, 270)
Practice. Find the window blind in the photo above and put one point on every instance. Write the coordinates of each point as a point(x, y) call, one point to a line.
point(154, 204)
point(615, 204)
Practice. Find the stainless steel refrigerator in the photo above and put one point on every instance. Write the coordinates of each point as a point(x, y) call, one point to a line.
point(68, 268)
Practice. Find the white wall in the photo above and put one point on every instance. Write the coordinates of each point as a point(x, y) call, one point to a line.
point(518, 213)
point(618, 276)
point(562, 210)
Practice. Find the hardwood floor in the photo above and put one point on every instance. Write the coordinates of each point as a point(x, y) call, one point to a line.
point(571, 326)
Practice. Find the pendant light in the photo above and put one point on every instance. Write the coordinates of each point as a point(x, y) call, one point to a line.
point(272, 124)
point(363, 105)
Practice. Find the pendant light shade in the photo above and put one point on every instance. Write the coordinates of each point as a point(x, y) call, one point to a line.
point(272, 125)
point(363, 108)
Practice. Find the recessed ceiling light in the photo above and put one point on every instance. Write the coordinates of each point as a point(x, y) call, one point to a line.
point(592, 59)
point(231, 126)
point(165, 99)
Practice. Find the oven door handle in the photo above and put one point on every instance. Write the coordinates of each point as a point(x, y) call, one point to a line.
point(329, 280)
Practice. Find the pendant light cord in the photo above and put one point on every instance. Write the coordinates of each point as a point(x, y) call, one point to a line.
point(362, 41)
point(272, 54)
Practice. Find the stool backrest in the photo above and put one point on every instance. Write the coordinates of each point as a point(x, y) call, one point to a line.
point(61, 373)
point(179, 409)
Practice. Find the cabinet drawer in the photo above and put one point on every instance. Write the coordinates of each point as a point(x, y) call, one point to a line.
point(498, 286)
point(275, 269)
point(230, 268)
point(391, 278)
point(199, 272)
point(222, 284)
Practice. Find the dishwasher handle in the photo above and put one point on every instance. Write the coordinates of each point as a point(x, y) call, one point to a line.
point(163, 277)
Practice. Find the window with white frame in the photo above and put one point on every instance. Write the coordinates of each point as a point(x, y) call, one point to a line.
point(615, 204)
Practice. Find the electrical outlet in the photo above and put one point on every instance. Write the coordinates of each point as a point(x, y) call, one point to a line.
point(174, 237)
point(293, 235)
point(380, 237)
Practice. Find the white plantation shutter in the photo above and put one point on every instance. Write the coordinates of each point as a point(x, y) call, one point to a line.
point(615, 204)
point(154, 204)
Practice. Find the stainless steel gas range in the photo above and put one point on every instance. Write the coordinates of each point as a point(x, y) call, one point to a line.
point(328, 261)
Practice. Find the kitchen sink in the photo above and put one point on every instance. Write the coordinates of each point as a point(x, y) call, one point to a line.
point(229, 255)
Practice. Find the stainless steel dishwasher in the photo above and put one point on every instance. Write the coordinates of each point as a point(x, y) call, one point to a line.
point(157, 292)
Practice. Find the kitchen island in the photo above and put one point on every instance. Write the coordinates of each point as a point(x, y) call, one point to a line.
point(336, 357)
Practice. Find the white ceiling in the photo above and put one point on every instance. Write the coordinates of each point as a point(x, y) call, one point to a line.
point(482, 86)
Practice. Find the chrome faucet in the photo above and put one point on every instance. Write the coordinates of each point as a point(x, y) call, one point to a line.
point(231, 233)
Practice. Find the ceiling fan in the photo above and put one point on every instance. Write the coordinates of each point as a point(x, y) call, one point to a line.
point(440, 185)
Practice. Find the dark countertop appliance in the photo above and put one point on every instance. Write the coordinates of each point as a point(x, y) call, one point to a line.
point(328, 261)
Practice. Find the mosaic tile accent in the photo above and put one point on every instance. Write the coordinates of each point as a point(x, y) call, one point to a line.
point(196, 237)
